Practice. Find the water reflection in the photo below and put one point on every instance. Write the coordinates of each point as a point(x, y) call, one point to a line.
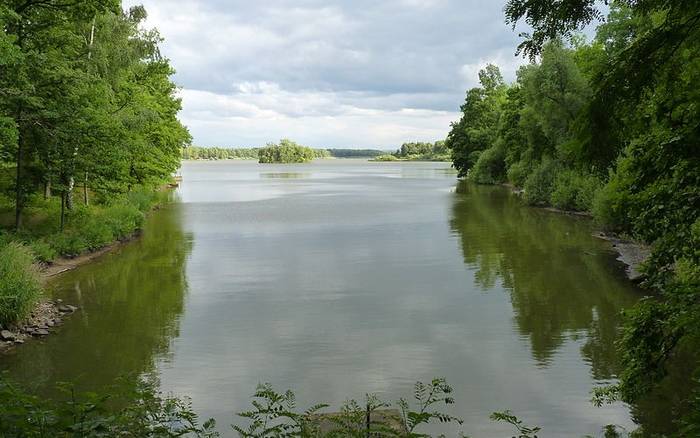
point(129, 312)
point(559, 278)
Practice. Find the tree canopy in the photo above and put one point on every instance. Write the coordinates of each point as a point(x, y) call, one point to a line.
point(85, 96)
point(612, 127)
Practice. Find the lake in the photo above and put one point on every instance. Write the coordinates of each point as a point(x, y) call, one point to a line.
point(342, 277)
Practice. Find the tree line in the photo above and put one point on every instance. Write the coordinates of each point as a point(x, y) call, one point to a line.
point(86, 100)
point(223, 153)
point(419, 151)
point(611, 127)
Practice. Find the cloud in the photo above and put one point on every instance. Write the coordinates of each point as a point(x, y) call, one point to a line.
point(378, 73)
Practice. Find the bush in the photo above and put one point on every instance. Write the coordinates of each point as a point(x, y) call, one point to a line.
point(143, 199)
point(385, 157)
point(145, 412)
point(123, 220)
point(573, 191)
point(19, 283)
point(517, 173)
point(490, 167)
point(610, 204)
point(42, 250)
point(540, 183)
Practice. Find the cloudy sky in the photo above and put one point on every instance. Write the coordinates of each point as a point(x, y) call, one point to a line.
point(329, 73)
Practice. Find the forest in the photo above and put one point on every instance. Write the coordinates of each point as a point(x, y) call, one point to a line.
point(88, 133)
point(610, 127)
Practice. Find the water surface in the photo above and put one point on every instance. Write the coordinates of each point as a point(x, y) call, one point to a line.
point(342, 277)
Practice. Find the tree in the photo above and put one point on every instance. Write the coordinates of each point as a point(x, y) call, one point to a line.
point(475, 130)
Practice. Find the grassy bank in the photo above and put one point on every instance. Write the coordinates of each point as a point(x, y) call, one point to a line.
point(43, 240)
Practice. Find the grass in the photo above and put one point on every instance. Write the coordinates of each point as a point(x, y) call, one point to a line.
point(87, 228)
point(19, 282)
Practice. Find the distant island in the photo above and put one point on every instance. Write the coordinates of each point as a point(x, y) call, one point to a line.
point(418, 151)
point(288, 151)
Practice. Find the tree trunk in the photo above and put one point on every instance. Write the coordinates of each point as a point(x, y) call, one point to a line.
point(47, 189)
point(69, 193)
point(63, 209)
point(85, 190)
point(19, 195)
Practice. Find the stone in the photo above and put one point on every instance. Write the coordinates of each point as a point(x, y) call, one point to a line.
point(7, 335)
point(67, 308)
point(41, 332)
point(19, 341)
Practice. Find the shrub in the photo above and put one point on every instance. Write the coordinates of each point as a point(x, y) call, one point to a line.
point(142, 198)
point(539, 184)
point(490, 167)
point(68, 244)
point(19, 283)
point(145, 412)
point(517, 173)
point(42, 250)
point(385, 157)
point(610, 204)
point(573, 191)
point(122, 220)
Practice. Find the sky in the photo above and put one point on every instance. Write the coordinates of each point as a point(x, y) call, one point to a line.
point(345, 74)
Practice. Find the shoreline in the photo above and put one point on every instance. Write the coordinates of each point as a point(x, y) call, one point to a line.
point(632, 254)
point(65, 264)
point(49, 314)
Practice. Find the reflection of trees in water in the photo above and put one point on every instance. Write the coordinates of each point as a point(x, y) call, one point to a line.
point(130, 306)
point(559, 280)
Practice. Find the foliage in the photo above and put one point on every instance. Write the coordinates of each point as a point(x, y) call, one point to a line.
point(275, 414)
point(639, 125)
point(144, 412)
point(134, 407)
point(475, 131)
point(355, 153)
point(574, 191)
point(385, 157)
point(523, 431)
point(490, 167)
point(286, 152)
point(218, 153)
point(19, 282)
point(540, 183)
point(86, 99)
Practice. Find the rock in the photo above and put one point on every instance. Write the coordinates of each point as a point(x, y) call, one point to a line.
point(59, 301)
point(67, 308)
point(19, 341)
point(7, 335)
point(41, 332)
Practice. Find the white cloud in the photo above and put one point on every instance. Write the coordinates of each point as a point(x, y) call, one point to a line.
point(259, 113)
point(332, 73)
